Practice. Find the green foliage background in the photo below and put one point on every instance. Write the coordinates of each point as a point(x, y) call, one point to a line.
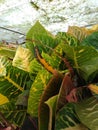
point(57, 100)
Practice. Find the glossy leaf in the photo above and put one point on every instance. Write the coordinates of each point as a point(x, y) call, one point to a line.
point(52, 102)
point(35, 66)
point(76, 127)
point(88, 109)
point(85, 60)
point(13, 114)
point(51, 61)
point(14, 82)
point(66, 86)
point(51, 89)
point(91, 40)
point(57, 56)
point(39, 36)
point(77, 32)
point(67, 38)
point(54, 59)
point(8, 52)
point(4, 62)
point(67, 119)
point(22, 58)
point(49, 95)
point(36, 91)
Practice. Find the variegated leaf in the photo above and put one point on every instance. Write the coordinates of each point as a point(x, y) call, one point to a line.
point(68, 38)
point(84, 60)
point(14, 82)
point(12, 113)
point(22, 58)
point(36, 91)
point(51, 102)
point(7, 52)
point(67, 119)
point(39, 36)
point(87, 112)
point(51, 90)
point(77, 32)
point(3, 99)
point(4, 62)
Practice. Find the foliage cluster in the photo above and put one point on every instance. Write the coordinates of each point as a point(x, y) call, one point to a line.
point(51, 79)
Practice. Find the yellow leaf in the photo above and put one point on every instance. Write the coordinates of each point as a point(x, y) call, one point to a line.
point(81, 32)
point(95, 27)
point(93, 88)
point(78, 32)
point(3, 99)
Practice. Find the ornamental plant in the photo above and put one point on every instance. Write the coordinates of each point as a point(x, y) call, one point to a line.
point(50, 81)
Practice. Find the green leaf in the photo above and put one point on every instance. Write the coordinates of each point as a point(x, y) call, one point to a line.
point(8, 52)
point(76, 127)
point(13, 114)
point(51, 89)
point(52, 102)
point(56, 56)
point(39, 36)
point(52, 60)
point(14, 82)
point(67, 38)
point(87, 112)
point(35, 66)
point(91, 40)
point(22, 58)
point(36, 91)
point(67, 119)
point(85, 60)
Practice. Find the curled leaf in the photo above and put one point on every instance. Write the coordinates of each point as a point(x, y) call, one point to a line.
point(51, 89)
point(66, 86)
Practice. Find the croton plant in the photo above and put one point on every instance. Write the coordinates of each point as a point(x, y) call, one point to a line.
point(51, 80)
